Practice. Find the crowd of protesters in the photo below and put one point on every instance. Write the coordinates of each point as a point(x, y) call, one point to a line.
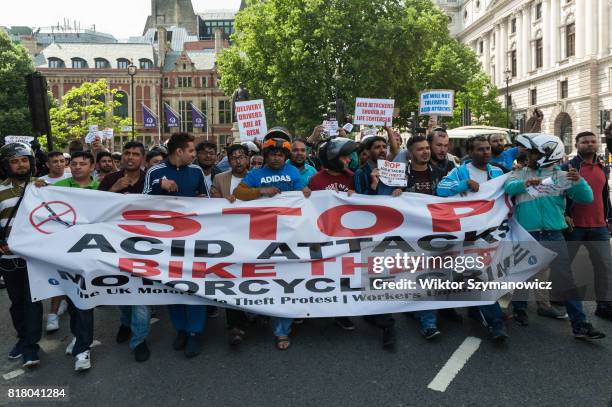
point(578, 211)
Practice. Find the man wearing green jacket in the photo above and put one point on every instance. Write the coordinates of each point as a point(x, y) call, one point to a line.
point(539, 191)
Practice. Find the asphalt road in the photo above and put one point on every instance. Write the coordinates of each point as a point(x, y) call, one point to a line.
point(539, 365)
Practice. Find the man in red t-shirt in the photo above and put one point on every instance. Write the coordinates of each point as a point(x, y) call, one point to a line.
point(335, 156)
point(591, 224)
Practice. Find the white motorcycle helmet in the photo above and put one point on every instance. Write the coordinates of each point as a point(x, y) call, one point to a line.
point(550, 147)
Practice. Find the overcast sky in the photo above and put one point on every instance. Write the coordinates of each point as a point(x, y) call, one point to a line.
point(121, 18)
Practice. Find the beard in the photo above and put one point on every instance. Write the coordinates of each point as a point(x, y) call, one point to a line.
point(21, 176)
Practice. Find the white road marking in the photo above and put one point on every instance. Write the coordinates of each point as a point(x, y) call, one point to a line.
point(456, 362)
point(13, 374)
point(95, 343)
point(49, 345)
point(154, 320)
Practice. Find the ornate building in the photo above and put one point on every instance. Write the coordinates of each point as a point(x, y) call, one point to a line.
point(553, 55)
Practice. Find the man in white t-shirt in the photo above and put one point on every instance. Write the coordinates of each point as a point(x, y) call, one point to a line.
point(56, 163)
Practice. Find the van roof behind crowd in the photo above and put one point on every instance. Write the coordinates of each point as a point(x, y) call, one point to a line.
point(471, 131)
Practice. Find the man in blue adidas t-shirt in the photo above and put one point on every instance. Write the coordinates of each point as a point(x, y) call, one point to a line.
point(273, 178)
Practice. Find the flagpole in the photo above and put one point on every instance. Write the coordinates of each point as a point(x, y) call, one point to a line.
point(158, 123)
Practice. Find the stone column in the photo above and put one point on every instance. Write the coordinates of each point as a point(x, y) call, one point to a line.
point(526, 47)
point(546, 33)
point(603, 30)
point(590, 44)
point(580, 29)
point(553, 33)
point(486, 65)
point(498, 59)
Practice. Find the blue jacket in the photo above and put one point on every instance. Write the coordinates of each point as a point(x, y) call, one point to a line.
point(456, 181)
point(189, 179)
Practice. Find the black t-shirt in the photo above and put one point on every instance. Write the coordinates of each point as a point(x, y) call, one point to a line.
point(422, 182)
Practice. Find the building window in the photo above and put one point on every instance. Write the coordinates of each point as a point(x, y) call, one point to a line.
point(204, 80)
point(533, 96)
point(79, 63)
point(570, 39)
point(513, 64)
point(122, 109)
point(493, 72)
point(166, 83)
point(185, 112)
point(56, 63)
point(146, 64)
point(538, 11)
point(564, 91)
point(465, 15)
point(481, 47)
point(184, 81)
point(207, 28)
point(225, 112)
point(539, 56)
point(513, 26)
point(123, 63)
point(102, 63)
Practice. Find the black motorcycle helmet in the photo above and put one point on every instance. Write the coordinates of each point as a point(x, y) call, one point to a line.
point(13, 150)
point(331, 151)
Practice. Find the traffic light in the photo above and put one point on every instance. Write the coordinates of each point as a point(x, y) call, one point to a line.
point(412, 122)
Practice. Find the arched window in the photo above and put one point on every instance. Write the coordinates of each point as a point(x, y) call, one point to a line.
point(56, 63)
point(123, 63)
point(122, 109)
point(146, 63)
point(102, 63)
point(79, 63)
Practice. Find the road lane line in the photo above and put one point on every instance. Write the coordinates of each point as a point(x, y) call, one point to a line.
point(13, 374)
point(456, 362)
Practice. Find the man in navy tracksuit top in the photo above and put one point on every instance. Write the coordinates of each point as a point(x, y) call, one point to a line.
point(177, 176)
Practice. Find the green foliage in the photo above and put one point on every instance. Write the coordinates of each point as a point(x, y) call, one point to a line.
point(15, 64)
point(298, 54)
point(482, 100)
point(92, 103)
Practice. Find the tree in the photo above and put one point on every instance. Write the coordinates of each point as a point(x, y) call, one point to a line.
point(15, 64)
point(482, 98)
point(300, 54)
point(92, 103)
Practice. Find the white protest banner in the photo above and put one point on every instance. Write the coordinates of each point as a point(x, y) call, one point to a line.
point(348, 127)
point(18, 139)
point(374, 112)
point(251, 116)
point(107, 133)
point(101, 248)
point(392, 174)
point(92, 133)
point(437, 102)
point(331, 127)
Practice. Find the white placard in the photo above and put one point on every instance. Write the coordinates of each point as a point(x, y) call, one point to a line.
point(374, 112)
point(436, 102)
point(18, 139)
point(108, 133)
point(251, 116)
point(392, 174)
point(331, 127)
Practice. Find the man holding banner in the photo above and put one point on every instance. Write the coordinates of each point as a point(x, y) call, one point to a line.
point(177, 176)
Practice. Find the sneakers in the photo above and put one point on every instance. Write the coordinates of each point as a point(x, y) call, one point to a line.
point(82, 361)
point(142, 352)
point(63, 307)
point(52, 323)
point(31, 360)
point(604, 313)
point(551, 312)
point(345, 323)
point(430, 333)
point(193, 347)
point(16, 352)
point(180, 341)
point(521, 318)
point(497, 331)
point(124, 334)
point(388, 338)
point(70, 346)
point(584, 330)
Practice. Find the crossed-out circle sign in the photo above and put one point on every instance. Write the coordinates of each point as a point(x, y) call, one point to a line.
point(51, 217)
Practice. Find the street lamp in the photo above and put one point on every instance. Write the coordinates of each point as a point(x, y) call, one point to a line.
point(508, 73)
point(132, 72)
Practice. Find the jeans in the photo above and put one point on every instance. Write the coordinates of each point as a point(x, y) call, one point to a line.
point(492, 314)
point(188, 318)
point(26, 315)
point(281, 326)
point(81, 326)
point(561, 276)
point(597, 242)
point(138, 318)
point(427, 319)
